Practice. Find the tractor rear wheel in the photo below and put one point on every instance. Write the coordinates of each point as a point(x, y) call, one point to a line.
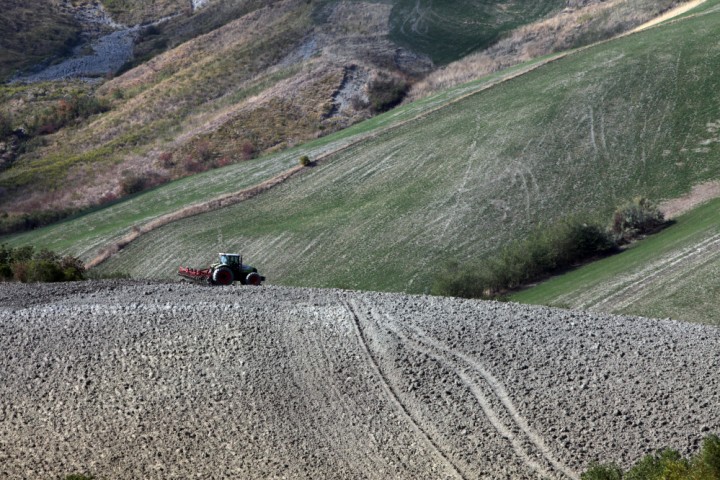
point(253, 279)
point(223, 276)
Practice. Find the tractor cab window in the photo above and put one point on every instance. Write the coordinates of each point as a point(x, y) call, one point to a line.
point(230, 259)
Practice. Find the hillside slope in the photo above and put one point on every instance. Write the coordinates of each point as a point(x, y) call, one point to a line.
point(274, 77)
point(212, 83)
point(576, 136)
point(145, 380)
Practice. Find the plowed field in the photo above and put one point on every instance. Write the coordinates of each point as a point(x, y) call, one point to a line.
point(165, 380)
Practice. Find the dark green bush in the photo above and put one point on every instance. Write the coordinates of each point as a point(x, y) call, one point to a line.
point(6, 126)
point(603, 472)
point(546, 251)
point(666, 465)
point(24, 264)
point(385, 93)
point(305, 161)
point(635, 219)
point(133, 184)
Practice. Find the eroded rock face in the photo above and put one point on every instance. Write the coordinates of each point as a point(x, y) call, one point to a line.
point(152, 380)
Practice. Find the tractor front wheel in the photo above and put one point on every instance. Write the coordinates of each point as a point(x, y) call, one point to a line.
point(223, 276)
point(253, 279)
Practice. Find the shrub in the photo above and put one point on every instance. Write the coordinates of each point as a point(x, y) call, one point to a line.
point(635, 219)
point(6, 127)
point(546, 251)
point(385, 93)
point(132, 184)
point(603, 472)
point(31, 221)
point(23, 264)
point(247, 150)
point(666, 465)
point(305, 161)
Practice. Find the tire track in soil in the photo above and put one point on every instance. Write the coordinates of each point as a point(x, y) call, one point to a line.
point(520, 442)
point(390, 391)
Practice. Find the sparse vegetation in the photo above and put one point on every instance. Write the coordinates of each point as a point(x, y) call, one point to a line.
point(65, 111)
point(25, 264)
point(32, 32)
point(666, 465)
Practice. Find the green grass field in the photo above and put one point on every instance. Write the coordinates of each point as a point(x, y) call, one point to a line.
point(447, 30)
point(577, 136)
point(674, 273)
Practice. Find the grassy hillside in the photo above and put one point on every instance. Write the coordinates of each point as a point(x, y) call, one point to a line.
point(227, 83)
point(447, 30)
point(674, 273)
point(630, 117)
point(87, 234)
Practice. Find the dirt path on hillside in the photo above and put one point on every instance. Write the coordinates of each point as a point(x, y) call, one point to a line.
point(698, 195)
point(124, 380)
point(685, 7)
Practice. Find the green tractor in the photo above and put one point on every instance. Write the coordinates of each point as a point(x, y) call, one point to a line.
point(228, 270)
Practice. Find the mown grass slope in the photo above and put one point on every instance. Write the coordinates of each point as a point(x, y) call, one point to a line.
point(675, 273)
point(447, 30)
point(630, 117)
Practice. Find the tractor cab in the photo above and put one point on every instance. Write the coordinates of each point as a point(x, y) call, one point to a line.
point(232, 269)
point(230, 259)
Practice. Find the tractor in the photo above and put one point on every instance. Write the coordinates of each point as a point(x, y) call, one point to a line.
point(229, 269)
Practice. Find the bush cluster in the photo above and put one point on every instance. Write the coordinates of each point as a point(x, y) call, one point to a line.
point(305, 161)
point(666, 465)
point(29, 221)
point(385, 93)
point(546, 251)
point(25, 264)
point(635, 219)
point(66, 111)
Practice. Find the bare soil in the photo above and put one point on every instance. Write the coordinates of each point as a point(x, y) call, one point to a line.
point(699, 194)
point(128, 380)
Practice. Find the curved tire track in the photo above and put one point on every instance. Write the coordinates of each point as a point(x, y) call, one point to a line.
point(526, 443)
point(391, 391)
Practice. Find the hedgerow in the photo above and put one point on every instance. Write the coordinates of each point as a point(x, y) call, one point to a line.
point(546, 251)
point(25, 264)
point(635, 219)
